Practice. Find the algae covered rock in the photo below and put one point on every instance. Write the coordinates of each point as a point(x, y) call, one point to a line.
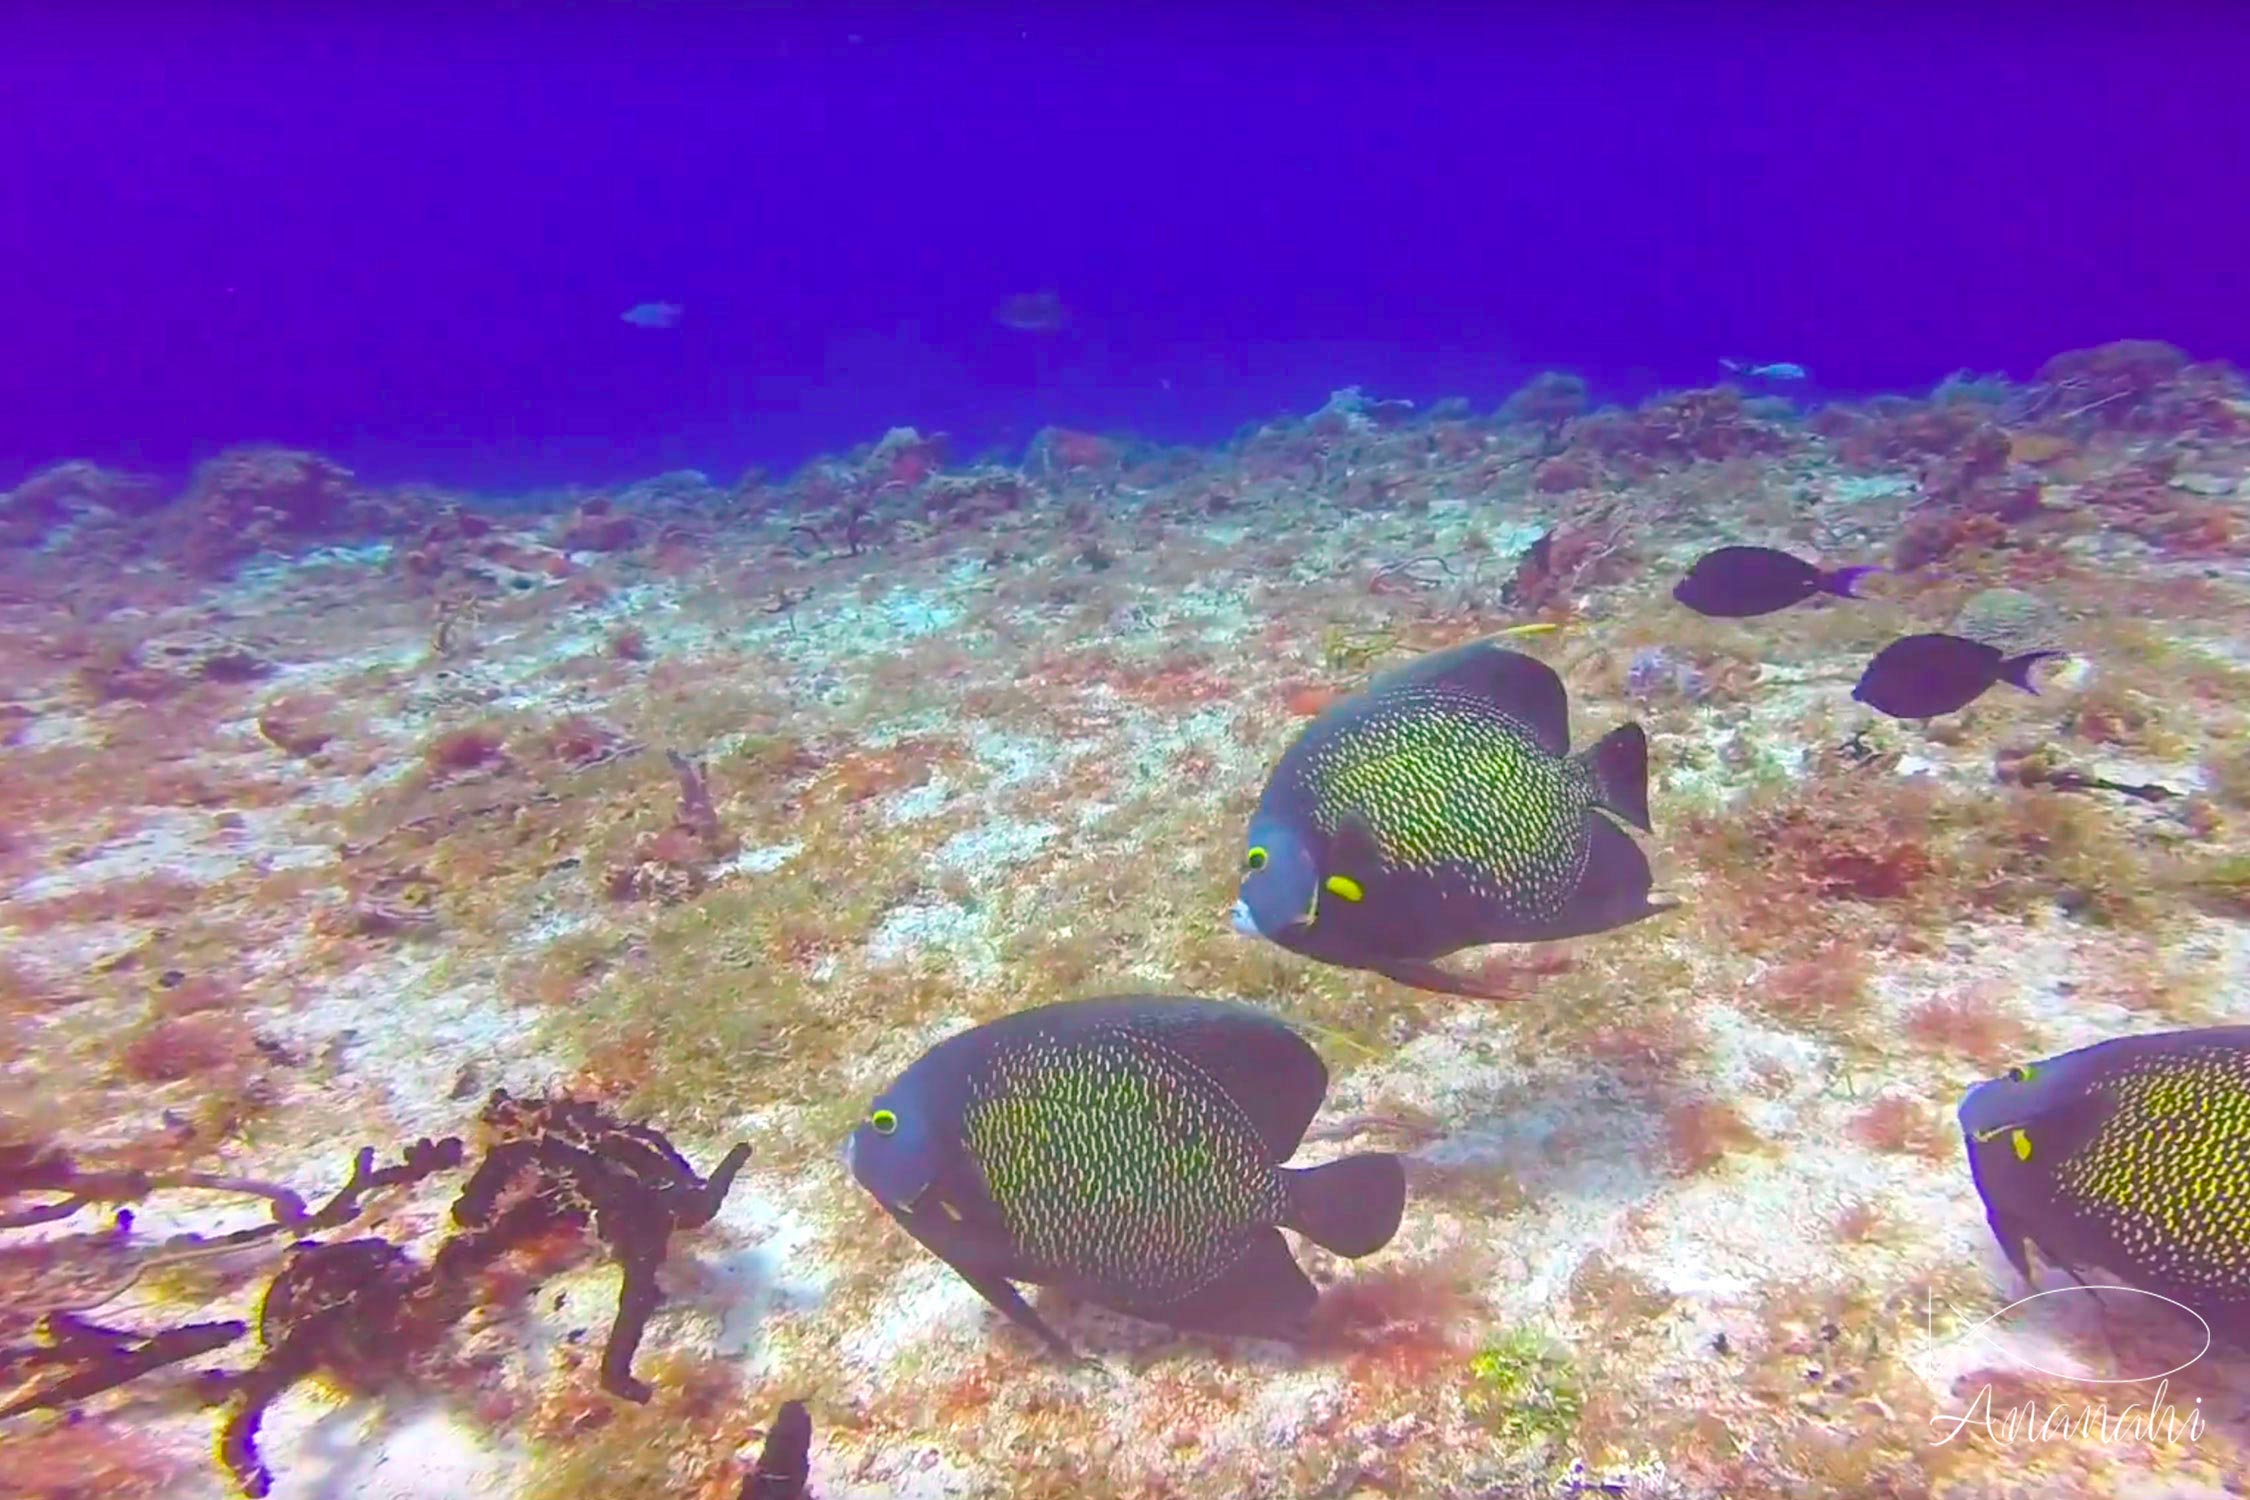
point(2012, 620)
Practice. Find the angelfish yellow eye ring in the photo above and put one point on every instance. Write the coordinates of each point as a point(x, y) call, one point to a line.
point(884, 1121)
point(1256, 858)
point(2022, 1074)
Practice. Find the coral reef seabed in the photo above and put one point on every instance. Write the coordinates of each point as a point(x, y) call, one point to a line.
point(448, 939)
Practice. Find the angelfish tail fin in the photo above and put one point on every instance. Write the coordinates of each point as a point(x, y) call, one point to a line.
point(1351, 1206)
point(1619, 761)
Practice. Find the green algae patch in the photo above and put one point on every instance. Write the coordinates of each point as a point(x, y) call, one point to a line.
point(1524, 1389)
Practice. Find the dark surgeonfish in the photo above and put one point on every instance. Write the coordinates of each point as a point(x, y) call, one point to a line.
point(1736, 582)
point(1128, 1150)
point(1441, 808)
point(2131, 1155)
point(785, 1462)
point(1922, 676)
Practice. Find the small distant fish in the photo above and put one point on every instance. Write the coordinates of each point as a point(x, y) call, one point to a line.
point(1740, 581)
point(785, 1461)
point(2127, 1156)
point(1032, 312)
point(1780, 370)
point(1441, 808)
point(1922, 676)
point(654, 314)
point(1130, 1151)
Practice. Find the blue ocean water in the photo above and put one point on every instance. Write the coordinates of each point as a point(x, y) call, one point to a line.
point(404, 236)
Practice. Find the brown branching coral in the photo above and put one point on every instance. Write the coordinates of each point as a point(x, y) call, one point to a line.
point(48, 1169)
point(1573, 556)
point(2136, 385)
point(360, 1309)
point(672, 865)
point(94, 1359)
point(696, 814)
point(317, 1312)
point(340, 1307)
point(561, 1162)
point(1683, 427)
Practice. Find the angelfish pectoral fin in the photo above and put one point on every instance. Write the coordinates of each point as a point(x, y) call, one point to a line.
point(1420, 974)
point(1354, 864)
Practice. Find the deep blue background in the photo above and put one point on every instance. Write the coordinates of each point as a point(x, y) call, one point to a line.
point(406, 238)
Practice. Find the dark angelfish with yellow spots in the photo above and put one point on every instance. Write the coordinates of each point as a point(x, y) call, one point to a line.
point(1441, 808)
point(2131, 1156)
point(1128, 1150)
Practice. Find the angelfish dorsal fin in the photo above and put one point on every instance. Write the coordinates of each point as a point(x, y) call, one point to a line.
point(1258, 1060)
point(1523, 687)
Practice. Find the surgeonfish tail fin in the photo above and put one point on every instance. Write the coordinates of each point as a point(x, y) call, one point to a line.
point(2017, 669)
point(1619, 761)
point(1351, 1206)
point(1841, 581)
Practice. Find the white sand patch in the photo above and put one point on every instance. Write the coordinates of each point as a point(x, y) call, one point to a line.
point(1156, 744)
point(779, 1272)
point(1015, 758)
point(172, 842)
point(921, 1473)
point(402, 1030)
point(762, 860)
point(319, 1446)
point(918, 803)
point(829, 628)
point(908, 727)
point(928, 1302)
point(1290, 1404)
point(54, 731)
point(946, 928)
point(1853, 489)
point(269, 572)
point(995, 845)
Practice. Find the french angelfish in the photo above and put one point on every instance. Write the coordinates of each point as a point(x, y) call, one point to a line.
point(1441, 808)
point(1922, 676)
point(1736, 582)
point(2131, 1156)
point(1128, 1150)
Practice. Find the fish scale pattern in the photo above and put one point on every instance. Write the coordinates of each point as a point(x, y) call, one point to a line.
point(1119, 1159)
point(1444, 779)
point(2167, 1174)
